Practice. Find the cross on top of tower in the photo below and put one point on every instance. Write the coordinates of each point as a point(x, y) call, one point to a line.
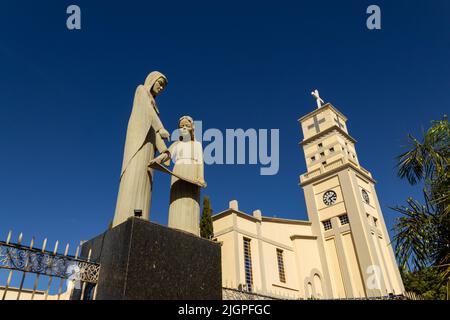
point(319, 100)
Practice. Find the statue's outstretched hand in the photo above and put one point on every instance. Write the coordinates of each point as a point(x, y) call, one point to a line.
point(164, 133)
point(160, 159)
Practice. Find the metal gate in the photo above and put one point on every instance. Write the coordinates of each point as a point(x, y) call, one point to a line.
point(34, 266)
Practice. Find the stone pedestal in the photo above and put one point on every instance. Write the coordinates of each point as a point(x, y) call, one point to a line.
point(141, 260)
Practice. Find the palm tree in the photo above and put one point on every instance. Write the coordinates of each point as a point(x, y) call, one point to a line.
point(423, 231)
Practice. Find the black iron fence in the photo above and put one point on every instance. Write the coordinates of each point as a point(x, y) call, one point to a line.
point(30, 265)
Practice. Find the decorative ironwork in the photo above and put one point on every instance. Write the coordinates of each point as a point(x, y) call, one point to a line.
point(22, 258)
point(235, 294)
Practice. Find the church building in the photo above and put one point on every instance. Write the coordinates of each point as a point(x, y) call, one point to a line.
point(343, 251)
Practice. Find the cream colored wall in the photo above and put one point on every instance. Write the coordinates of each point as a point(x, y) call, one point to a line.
point(247, 225)
point(282, 232)
point(382, 264)
point(392, 267)
point(337, 283)
point(229, 272)
point(326, 112)
point(331, 140)
point(380, 238)
point(357, 280)
point(274, 285)
point(273, 235)
point(341, 255)
point(338, 208)
point(223, 223)
point(255, 256)
point(349, 256)
point(343, 148)
point(309, 264)
point(370, 207)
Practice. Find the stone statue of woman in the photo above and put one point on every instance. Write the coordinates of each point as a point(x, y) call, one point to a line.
point(145, 132)
point(187, 156)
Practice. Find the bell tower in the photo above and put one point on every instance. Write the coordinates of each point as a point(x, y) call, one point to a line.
point(343, 207)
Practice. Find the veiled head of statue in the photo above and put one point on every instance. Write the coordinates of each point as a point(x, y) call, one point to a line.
point(155, 83)
point(186, 127)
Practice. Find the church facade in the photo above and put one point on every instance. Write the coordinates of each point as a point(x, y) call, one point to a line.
point(343, 250)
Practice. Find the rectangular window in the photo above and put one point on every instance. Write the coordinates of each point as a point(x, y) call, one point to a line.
point(375, 220)
point(331, 149)
point(327, 225)
point(322, 154)
point(320, 145)
point(281, 272)
point(248, 264)
point(343, 219)
point(313, 158)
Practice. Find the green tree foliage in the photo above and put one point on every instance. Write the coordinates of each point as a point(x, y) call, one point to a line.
point(423, 230)
point(206, 224)
point(426, 282)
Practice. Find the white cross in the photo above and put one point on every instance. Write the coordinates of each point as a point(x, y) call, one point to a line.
point(319, 100)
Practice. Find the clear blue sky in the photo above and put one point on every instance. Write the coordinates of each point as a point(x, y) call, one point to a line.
point(65, 96)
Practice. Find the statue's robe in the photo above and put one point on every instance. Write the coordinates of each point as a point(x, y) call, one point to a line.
point(136, 180)
point(184, 209)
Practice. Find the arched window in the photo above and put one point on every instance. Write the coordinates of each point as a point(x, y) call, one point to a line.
point(318, 286)
point(309, 290)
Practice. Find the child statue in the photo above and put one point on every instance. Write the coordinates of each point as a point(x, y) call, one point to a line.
point(187, 156)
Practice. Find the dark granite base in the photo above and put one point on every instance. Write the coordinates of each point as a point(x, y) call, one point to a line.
point(142, 260)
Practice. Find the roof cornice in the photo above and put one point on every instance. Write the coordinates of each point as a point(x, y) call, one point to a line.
point(326, 174)
point(266, 219)
point(282, 220)
point(326, 131)
point(325, 106)
point(300, 236)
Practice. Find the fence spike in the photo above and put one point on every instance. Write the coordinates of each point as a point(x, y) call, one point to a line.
point(8, 238)
point(77, 252)
point(44, 244)
point(56, 247)
point(89, 254)
point(32, 242)
point(67, 250)
point(20, 238)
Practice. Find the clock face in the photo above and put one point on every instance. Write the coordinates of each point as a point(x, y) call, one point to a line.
point(365, 196)
point(329, 197)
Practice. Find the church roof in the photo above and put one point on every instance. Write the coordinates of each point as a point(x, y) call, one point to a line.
point(263, 218)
